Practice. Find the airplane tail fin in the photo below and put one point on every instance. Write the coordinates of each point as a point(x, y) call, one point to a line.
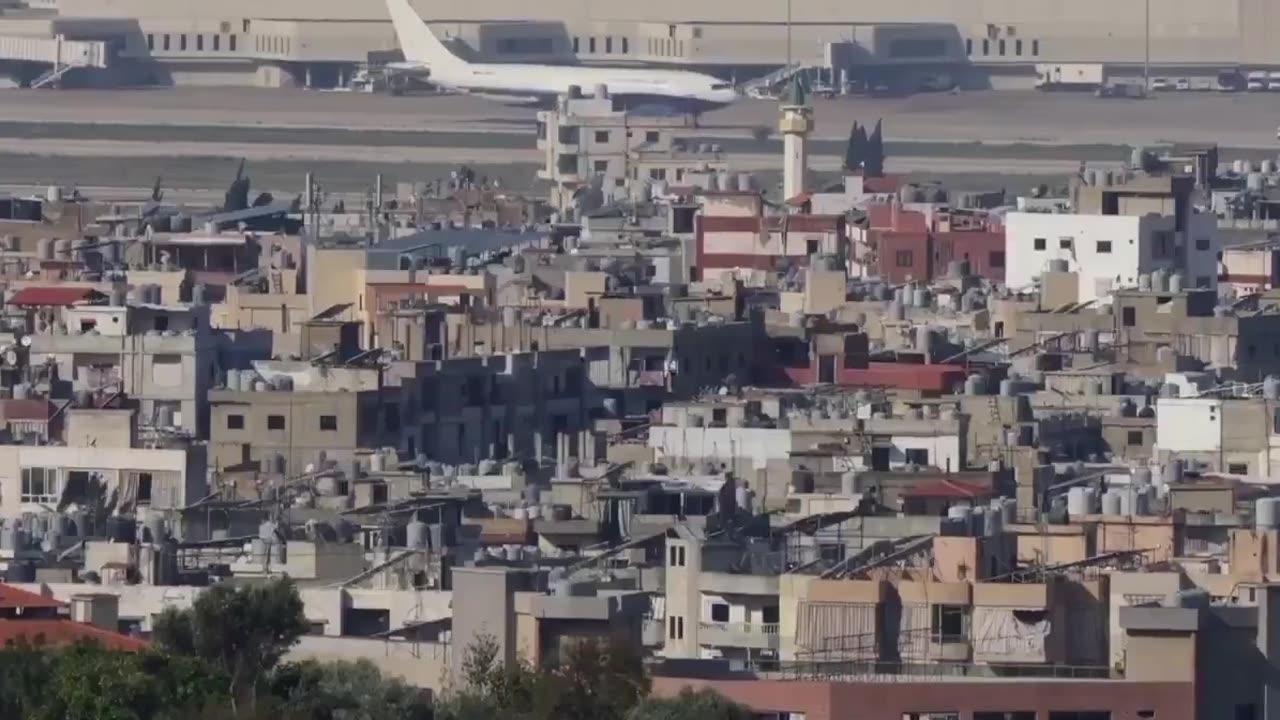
point(417, 41)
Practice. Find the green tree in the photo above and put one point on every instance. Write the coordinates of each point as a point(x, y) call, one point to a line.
point(25, 671)
point(873, 160)
point(594, 680)
point(853, 151)
point(241, 632)
point(690, 705)
point(346, 691)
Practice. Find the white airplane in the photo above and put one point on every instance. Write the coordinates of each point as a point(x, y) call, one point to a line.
point(676, 89)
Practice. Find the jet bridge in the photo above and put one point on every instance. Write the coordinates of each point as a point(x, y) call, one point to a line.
point(60, 54)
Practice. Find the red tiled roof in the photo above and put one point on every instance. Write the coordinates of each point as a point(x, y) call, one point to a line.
point(65, 632)
point(12, 598)
point(29, 409)
point(54, 296)
point(948, 489)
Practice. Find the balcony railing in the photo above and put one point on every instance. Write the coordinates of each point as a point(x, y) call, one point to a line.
point(739, 634)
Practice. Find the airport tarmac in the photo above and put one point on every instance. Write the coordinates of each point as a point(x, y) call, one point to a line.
point(988, 139)
point(993, 117)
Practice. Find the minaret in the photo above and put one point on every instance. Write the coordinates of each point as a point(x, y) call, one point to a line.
point(795, 125)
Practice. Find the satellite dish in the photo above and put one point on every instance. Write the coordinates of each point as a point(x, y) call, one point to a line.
point(10, 357)
point(26, 341)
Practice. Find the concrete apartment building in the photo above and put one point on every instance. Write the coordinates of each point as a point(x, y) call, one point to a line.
point(588, 143)
point(458, 411)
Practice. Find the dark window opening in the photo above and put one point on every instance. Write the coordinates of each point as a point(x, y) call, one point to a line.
point(328, 422)
point(769, 614)
point(947, 623)
point(996, 259)
point(1238, 468)
point(917, 456)
point(904, 258)
point(1040, 244)
point(235, 422)
point(1104, 246)
point(719, 612)
point(1129, 316)
point(275, 422)
point(1135, 437)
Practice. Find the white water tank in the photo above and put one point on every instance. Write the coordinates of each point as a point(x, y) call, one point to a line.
point(1111, 503)
point(1265, 515)
point(1077, 502)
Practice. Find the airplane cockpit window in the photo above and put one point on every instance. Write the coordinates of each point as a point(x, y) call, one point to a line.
point(721, 86)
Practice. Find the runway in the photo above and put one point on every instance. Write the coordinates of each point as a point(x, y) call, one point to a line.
point(194, 136)
point(1232, 120)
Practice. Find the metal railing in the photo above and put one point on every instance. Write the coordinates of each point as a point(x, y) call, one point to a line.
point(742, 627)
point(876, 671)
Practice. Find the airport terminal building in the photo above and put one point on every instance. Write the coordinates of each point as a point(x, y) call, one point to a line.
point(322, 42)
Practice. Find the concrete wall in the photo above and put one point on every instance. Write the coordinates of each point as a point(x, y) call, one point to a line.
point(424, 665)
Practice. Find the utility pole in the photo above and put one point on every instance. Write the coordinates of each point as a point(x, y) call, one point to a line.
point(789, 33)
point(1146, 55)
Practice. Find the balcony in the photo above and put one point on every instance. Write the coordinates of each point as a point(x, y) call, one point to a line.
point(739, 635)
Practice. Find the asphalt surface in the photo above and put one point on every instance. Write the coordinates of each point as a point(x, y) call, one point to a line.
point(194, 137)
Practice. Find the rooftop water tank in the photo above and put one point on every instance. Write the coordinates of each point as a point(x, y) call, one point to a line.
point(1077, 502)
point(1265, 513)
point(416, 535)
point(1111, 503)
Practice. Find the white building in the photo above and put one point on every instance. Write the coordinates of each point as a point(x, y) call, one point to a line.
point(1110, 251)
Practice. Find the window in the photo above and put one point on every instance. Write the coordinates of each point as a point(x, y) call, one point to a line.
point(996, 259)
point(275, 422)
point(658, 174)
point(920, 47)
point(591, 44)
point(1001, 47)
point(677, 556)
point(200, 42)
point(675, 627)
point(917, 456)
point(600, 166)
point(165, 41)
point(1079, 715)
point(1129, 317)
point(145, 485)
point(1040, 244)
point(151, 41)
point(182, 41)
point(1238, 468)
point(328, 422)
point(769, 614)
point(608, 44)
point(40, 485)
point(1135, 437)
point(1202, 244)
point(1035, 48)
point(602, 136)
point(391, 417)
point(1017, 47)
point(986, 47)
point(931, 716)
point(1104, 246)
point(1202, 281)
point(1066, 243)
point(1003, 715)
point(968, 46)
point(235, 422)
point(719, 612)
point(576, 43)
point(525, 45)
point(625, 48)
point(947, 624)
point(903, 258)
point(231, 43)
point(651, 136)
point(697, 33)
point(217, 42)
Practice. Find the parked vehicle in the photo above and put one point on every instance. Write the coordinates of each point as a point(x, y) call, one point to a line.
point(1122, 90)
point(1070, 76)
point(1182, 85)
point(1159, 84)
point(1258, 81)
